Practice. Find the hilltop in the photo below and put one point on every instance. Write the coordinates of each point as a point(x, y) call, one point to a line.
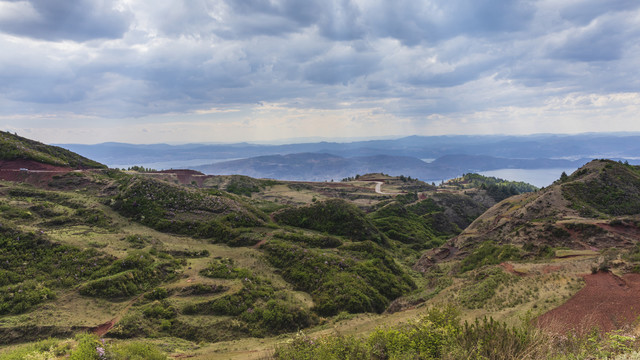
point(595, 208)
point(18, 152)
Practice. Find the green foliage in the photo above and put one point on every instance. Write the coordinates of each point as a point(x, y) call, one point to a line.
point(614, 191)
point(157, 294)
point(489, 253)
point(317, 241)
point(223, 268)
point(277, 316)
point(20, 298)
point(14, 147)
point(406, 224)
point(244, 185)
point(334, 216)
point(136, 273)
point(175, 209)
point(489, 339)
point(260, 307)
point(32, 267)
point(360, 277)
point(514, 187)
point(43, 349)
point(427, 338)
point(202, 289)
point(137, 241)
point(440, 335)
point(136, 351)
point(245, 239)
point(87, 347)
point(141, 169)
point(483, 288)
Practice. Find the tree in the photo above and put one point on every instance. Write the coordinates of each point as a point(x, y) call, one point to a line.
point(564, 177)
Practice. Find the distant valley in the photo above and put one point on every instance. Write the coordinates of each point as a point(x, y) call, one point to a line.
point(325, 161)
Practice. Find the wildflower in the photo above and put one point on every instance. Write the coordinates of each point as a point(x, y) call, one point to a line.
point(101, 352)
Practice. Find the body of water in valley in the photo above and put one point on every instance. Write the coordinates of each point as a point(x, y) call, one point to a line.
point(537, 177)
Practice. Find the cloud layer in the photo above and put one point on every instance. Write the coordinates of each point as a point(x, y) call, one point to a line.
point(426, 66)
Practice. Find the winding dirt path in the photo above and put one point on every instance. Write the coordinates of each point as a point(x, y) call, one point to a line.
point(102, 329)
point(378, 189)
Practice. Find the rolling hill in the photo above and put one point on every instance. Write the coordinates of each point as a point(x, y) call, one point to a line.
point(190, 265)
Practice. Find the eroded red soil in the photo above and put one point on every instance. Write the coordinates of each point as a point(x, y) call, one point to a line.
point(32, 172)
point(607, 301)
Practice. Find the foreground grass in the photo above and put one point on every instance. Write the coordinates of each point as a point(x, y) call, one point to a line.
point(440, 334)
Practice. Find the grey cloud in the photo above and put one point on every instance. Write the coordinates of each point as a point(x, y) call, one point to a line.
point(415, 22)
point(585, 11)
point(77, 20)
point(601, 41)
point(205, 53)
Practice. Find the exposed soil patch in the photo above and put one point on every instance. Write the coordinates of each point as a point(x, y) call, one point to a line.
point(102, 329)
point(607, 302)
point(510, 269)
point(625, 230)
point(31, 165)
point(31, 172)
point(551, 268)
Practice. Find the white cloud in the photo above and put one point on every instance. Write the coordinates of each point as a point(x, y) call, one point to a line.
point(360, 67)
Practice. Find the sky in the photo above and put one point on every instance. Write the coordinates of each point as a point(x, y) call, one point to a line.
point(91, 71)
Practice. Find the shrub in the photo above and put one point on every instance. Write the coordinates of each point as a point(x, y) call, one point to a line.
point(490, 254)
point(136, 351)
point(360, 277)
point(334, 216)
point(223, 268)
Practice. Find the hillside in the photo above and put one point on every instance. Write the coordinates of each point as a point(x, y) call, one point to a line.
point(17, 152)
point(191, 265)
point(595, 208)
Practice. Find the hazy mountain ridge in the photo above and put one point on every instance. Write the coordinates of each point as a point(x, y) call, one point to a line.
point(324, 167)
point(422, 147)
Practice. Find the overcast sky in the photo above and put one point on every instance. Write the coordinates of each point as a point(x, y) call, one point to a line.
point(89, 71)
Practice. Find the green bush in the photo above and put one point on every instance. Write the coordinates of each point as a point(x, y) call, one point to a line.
point(489, 254)
point(136, 273)
point(171, 208)
point(223, 268)
point(317, 241)
point(33, 267)
point(88, 348)
point(333, 216)
point(360, 277)
point(484, 285)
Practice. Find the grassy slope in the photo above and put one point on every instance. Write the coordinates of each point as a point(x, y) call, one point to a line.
point(14, 147)
point(487, 290)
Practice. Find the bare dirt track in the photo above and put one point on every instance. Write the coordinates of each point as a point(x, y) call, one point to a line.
point(32, 172)
point(607, 302)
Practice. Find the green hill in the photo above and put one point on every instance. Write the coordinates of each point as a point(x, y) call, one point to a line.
point(234, 267)
point(14, 147)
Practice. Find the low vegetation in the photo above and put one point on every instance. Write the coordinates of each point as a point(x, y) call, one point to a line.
point(171, 208)
point(334, 216)
point(359, 277)
point(14, 147)
point(440, 334)
point(613, 191)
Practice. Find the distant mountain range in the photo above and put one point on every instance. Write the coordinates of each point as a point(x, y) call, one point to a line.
point(449, 155)
point(321, 167)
